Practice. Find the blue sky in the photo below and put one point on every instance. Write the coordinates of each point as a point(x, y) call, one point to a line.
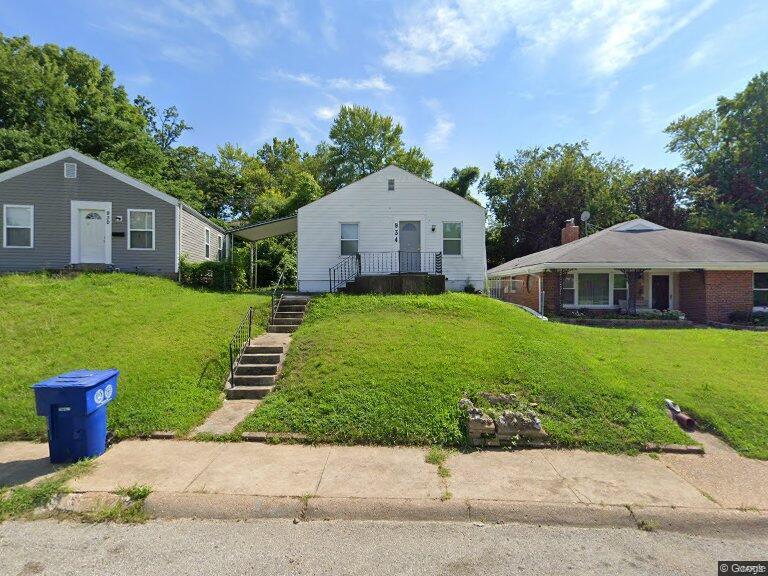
point(466, 79)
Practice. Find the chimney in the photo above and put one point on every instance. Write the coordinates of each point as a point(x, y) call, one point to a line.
point(570, 232)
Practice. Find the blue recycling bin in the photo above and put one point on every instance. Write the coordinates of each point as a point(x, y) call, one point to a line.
point(75, 405)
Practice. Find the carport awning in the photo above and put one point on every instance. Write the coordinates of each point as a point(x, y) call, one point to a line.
point(266, 229)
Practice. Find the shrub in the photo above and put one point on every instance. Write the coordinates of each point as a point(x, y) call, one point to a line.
point(760, 318)
point(213, 275)
point(740, 317)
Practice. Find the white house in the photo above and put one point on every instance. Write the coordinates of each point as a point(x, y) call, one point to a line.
point(388, 223)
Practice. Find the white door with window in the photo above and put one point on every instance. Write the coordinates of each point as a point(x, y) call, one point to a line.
point(92, 241)
point(91, 232)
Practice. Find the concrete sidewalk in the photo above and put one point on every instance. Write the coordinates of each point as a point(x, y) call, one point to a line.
point(245, 480)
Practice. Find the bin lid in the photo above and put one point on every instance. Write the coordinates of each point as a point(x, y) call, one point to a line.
point(78, 379)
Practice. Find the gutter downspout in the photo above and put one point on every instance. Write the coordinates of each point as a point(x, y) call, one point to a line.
point(179, 210)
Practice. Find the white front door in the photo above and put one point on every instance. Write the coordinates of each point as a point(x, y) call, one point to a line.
point(93, 239)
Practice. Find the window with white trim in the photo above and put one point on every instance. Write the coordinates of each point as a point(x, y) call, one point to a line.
point(594, 289)
point(141, 229)
point(452, 238)
point(619, 289)
point(207, 243)
point(18, 226)
point(349, 238)
point(569, 289)
point(221, 248)
point(761, 289)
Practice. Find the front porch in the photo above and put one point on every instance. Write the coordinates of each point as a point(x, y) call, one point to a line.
point(393, 272)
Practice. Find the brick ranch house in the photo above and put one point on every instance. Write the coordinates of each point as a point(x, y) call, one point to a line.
point(706, 277)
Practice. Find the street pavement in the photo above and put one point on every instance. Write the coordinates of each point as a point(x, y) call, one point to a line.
point(270, 547)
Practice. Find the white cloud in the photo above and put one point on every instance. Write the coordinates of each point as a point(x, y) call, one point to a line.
point(443, 126)
point(375, 83)
point(328, 26)
point(608, 34)
point(603, 97)
point(325, 112)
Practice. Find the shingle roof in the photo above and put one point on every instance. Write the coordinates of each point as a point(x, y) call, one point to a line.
point(639, 243)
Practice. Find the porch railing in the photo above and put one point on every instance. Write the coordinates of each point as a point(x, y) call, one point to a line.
point(399, 262)
point(239, 341)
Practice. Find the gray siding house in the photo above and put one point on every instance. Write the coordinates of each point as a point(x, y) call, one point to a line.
point(69, 210)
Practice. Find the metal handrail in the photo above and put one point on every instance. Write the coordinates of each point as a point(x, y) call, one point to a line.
point(239, 341)
point(398, 262)
point(345, 270)
point(277, 296)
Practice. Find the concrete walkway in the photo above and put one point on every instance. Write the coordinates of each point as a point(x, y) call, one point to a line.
point(192, 479)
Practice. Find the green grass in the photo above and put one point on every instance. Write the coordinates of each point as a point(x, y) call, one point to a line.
point(390, 370)
point(169, 343)
point(17, 502)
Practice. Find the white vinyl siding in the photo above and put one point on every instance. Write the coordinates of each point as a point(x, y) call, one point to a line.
point(141, 229)
point(378, 211)
point(350, 235)
point(18, 226)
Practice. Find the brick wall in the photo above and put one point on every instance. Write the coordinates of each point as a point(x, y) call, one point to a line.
point(551, 294)
point(526, 291)
point(728, 291)
point(711, 295)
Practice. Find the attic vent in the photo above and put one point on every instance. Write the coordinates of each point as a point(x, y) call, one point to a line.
point(70, 170)
point(391, 184)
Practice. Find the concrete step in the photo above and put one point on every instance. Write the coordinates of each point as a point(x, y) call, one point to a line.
point(261, 358)
point(282, 328)
point(291, 308)
point(286, 321)
point(264, 349)
point(242, 392)
point(294, 299)
point(255, 369)
point(299, 315)
point(253, 380)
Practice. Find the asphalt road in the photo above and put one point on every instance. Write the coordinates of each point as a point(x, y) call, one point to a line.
point(206, 547)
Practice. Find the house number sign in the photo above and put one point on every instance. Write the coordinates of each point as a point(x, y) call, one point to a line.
point(397, 231)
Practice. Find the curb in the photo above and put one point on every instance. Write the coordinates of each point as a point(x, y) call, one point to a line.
point(698, 521)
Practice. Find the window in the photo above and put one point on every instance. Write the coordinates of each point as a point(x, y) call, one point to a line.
point(761, 289)
point(349, 239)
point(569, 290)
point(70, 170)
point(18, 225)
point(619, 289)
point(221, 248)
point(391, 184)
point(141, 229)
point(207, 243)
point(452, 238)
point(593, 290)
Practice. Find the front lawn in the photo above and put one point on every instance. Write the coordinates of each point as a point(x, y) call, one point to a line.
point(169, 343)
point(391, 370)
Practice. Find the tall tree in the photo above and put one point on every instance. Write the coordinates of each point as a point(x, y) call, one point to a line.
point(363, 141)
point(726, 151)
point(461, 180)
point(164, 127)
point(533, 193)
point(53, 98)
point(660, 196)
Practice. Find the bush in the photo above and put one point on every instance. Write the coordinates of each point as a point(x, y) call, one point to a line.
point(740, 317)
point(760, 318)
point(213, 275)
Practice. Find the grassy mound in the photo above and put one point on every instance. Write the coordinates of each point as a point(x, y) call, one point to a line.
point(169, 343)
point(391, 370)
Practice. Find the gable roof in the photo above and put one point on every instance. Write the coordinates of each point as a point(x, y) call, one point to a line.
point(101, 167)
point(394, 167)
point(642, 244)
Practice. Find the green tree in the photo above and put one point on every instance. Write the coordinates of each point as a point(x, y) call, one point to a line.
point(363, 141)
point(461, 180)
point(165, 128)
point(725, 150)
point(532, 194)
point(660, 196)
point(53, 98)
